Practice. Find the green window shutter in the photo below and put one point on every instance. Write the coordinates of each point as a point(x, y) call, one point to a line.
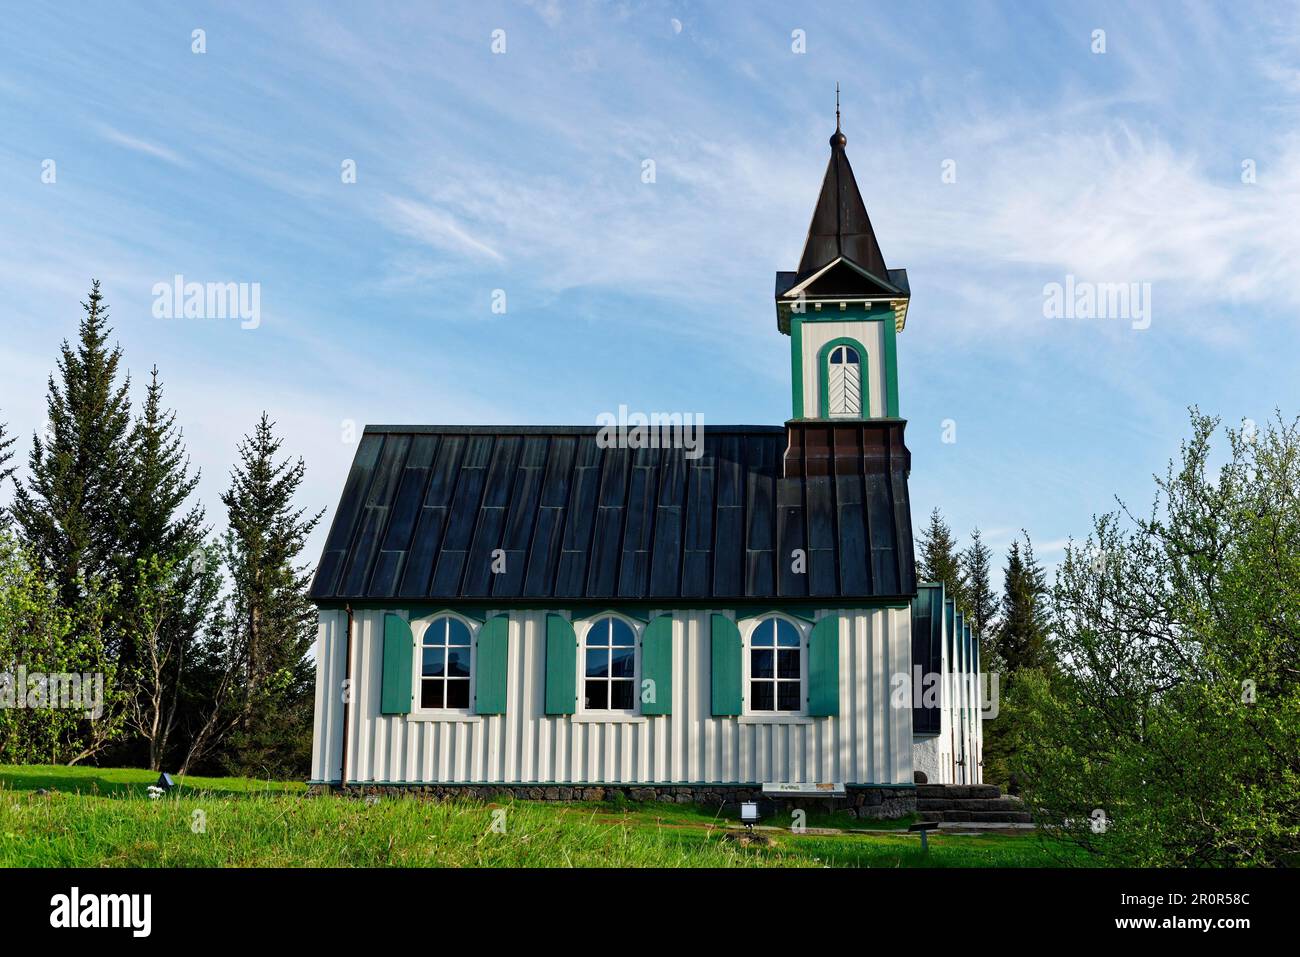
point(657, 666)
point(561, 666)
point(490, 667)
point(824, 667)
point(399, 654)
point(724, 642)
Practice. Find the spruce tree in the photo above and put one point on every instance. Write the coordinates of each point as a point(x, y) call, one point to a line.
point(1022, 627)
point(939, 560)
point(982, 601)
point(170, 581)
point(69, 511)
point(6, 452)
point(6, 470)
point(270, 617)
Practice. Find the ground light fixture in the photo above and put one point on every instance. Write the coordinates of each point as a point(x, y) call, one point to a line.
point(749, 813)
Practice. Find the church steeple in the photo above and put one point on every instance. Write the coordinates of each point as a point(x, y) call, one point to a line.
point(843, 306)
point(840, 225)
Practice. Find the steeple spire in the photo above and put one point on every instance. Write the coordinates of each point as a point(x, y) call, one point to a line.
point(838, 139)
point(841, 262)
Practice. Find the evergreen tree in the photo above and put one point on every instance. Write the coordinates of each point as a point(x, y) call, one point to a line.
point(1022, 631)
point(982, 601)
point(69, 510)
point(6, 470)
point(269, 616)
point(170, 581)
point(6, 452)
point(939, 559)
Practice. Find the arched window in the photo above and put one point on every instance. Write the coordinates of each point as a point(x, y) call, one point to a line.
point(609, 666)
point(844, 382)
point(776, 667)
point(446, 665)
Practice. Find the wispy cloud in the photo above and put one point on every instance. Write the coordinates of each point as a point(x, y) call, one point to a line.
point(138, 145)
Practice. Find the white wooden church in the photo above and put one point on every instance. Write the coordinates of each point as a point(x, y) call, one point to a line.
point(671, 625)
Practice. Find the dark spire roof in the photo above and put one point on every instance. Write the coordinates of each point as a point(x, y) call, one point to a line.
point(840, 226)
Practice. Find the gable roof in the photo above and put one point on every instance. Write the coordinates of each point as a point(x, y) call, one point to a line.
point(425, 507)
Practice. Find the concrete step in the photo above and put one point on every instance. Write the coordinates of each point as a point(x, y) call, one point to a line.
point(958, 791)
point(970, 804)
point(978, 817)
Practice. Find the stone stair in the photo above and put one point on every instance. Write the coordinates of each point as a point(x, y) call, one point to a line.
point(968, 804)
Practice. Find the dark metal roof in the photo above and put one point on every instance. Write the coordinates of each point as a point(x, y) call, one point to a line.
point(840, 225)
point(425, 507)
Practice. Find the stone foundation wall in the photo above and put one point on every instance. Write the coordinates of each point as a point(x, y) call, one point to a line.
point(869, 803)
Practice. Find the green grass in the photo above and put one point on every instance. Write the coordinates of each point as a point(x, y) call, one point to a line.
point(99, 817)
point(132, 782)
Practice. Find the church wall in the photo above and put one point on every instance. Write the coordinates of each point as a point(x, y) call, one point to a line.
point(868, 742)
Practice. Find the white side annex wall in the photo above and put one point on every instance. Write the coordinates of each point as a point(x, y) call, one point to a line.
point(961, 736)
point(869, 742)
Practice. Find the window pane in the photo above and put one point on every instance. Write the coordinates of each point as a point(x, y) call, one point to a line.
point(599, 633)
point(597, 694)
point(787, 635)
point(433, 662)
point(457, 633)
point(763, 634)
point(788, 696)
point(431, 694)
point(624, 663)
point(837, 355)
point(457, 662)
point(760, 662)
point(787, 663)
point(621, 692)
point(760, 695)
point(457, 694)
point(621, 633)
point(597, 662)
point(850, 355)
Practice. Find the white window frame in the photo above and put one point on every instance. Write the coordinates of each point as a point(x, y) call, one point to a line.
point(582, 628)
point(747, 628)
point(830, 364)
point(418, 628)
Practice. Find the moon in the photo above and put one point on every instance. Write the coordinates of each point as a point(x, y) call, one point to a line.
point(677, 25)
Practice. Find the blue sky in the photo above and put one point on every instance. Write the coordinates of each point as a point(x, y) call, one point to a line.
point(521, 171)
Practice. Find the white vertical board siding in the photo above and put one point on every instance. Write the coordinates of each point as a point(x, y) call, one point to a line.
point(869, 742)
point(327, 743)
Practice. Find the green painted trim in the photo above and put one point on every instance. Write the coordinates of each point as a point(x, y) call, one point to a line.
point(823, 377)
point(852, 314)
point(796, 364)
point(398, 662)
point(589, 612)
point(657, 666)
point(561, 666)
point(891, 370)
point(725, 666)
point(475, 615)
point(491, 666)
point(803, 614)
point(824, 668)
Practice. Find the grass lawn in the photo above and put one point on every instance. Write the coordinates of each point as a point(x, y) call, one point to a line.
point(96, 817)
